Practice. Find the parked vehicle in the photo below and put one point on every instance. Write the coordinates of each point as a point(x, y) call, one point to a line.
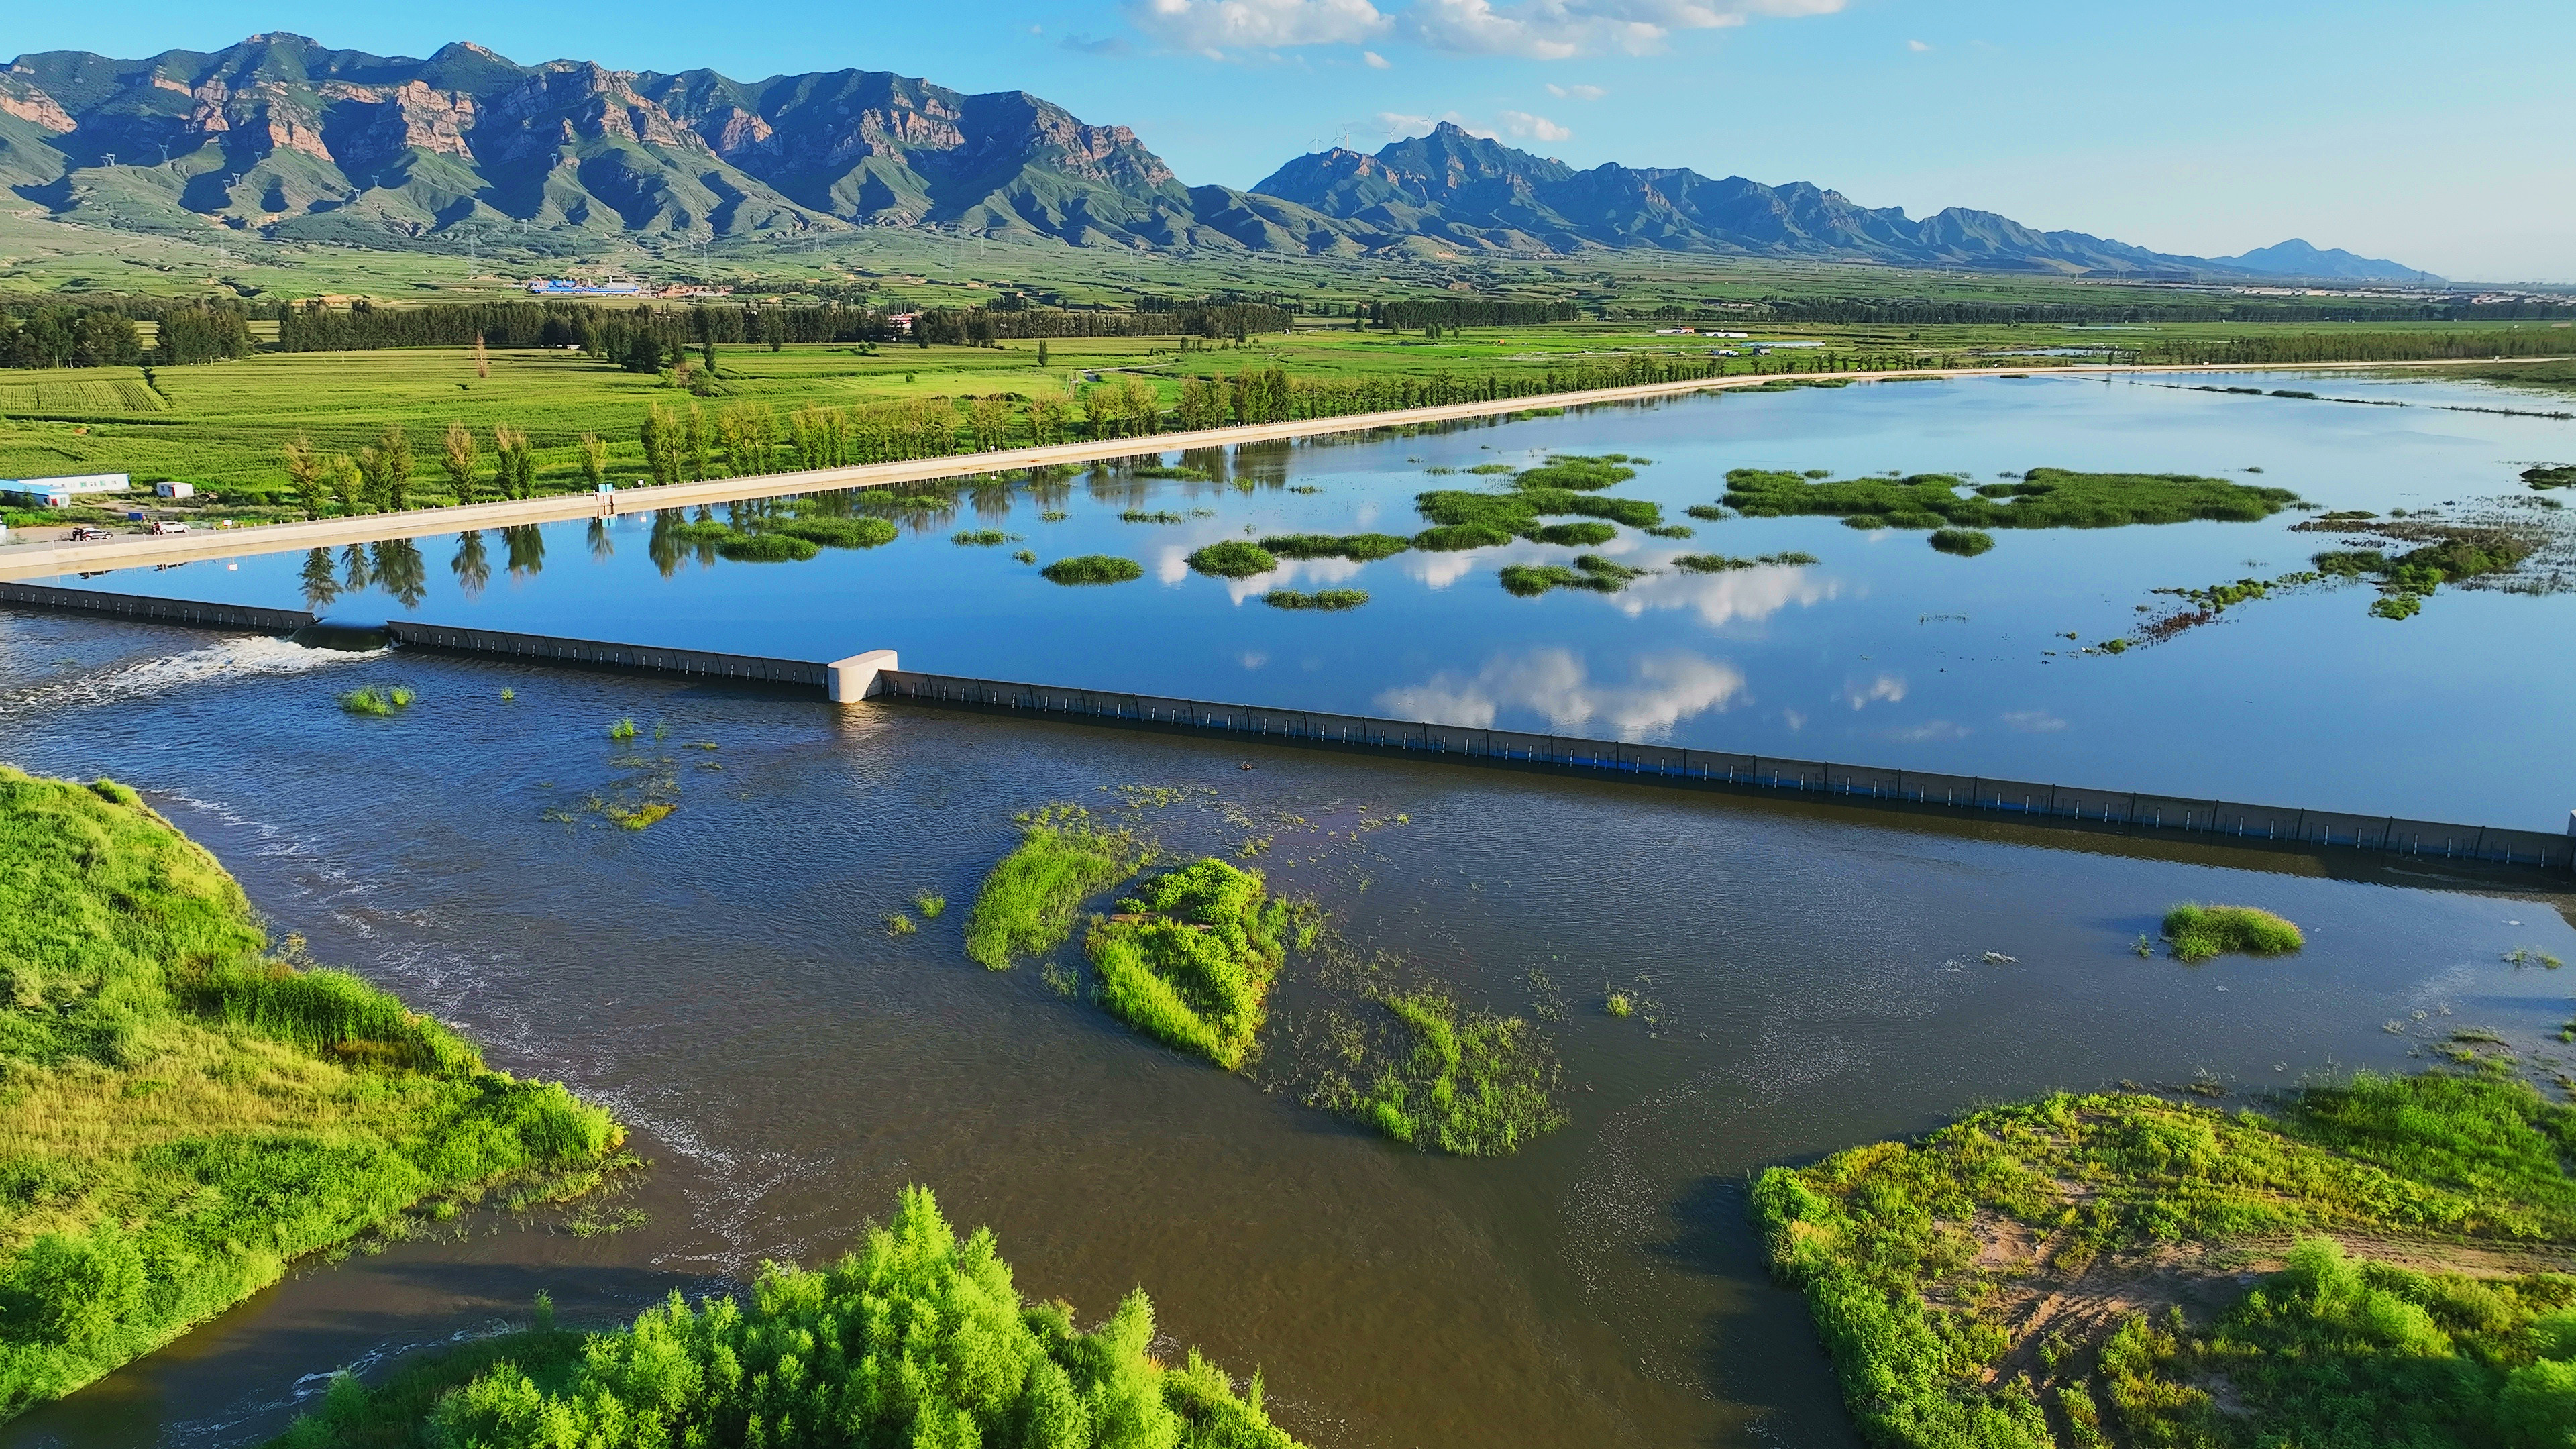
point(167, 525)
point(90, 533)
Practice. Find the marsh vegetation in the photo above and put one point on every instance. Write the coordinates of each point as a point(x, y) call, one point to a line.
point(1093, 568)
point(1233, 558)
point(1326, 600)
point(1591, 571)
point(2039, 498)
point(381, 701)
point(1718, 563)
point(1935, 1271)
point(2200, 932)
point(1189, 959)
point(1357, 547)
point(1416, 1067)
point(1027, 903)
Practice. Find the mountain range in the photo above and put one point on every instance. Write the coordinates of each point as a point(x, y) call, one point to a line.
point(281, 137)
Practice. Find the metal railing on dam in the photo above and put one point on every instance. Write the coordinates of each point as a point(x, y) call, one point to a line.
point(1672, 764)
point(586, 653)
point(162, 611)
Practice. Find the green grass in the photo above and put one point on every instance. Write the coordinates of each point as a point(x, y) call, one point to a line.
point(1619, 1004)
point(2200, 932)
point(622, 731)
point(2040, 498)
point(1590, 571)
point(1718, 563)
point(188, 1113)
point(1233, 559)
point(1357, 547)
point(1965, 542)
point(1190, 958)
point(1093, 568)
point(1027, 903)
point(379, 700)
point(916, 1339)
point(1920, 1262)
point(930, 905)
point(982, 537)
point(1468, 1083)
point(1327, 600)
point(1461, 519)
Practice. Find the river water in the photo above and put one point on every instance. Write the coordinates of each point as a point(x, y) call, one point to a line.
point(1883, 653)
point(1815, 977)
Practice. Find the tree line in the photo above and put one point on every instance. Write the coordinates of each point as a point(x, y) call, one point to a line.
point(78, 335)
point(1910, 312)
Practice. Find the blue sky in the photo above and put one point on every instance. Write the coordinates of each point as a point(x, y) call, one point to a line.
point(2436, 135)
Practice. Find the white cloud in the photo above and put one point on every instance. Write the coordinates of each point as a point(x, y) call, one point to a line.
point(1399, 123)
point(1886, 688)
point(1918, 47)
point(1737, 596)
point(1212, 27)
point(1576, 93)
point(1537, 128)
point(2034, 721)
point(1554, 684)
point(1562, 29)
point(1373, 60)
point(1938, 729)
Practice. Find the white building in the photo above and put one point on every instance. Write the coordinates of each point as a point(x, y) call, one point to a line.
point(59, 492)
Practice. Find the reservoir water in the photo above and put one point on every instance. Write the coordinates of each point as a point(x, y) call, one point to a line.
point(1813, 978)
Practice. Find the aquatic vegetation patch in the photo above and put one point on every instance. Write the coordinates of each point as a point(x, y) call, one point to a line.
point(381, 701)
point(1718, 563)
point(642, 815)
point(982, 538)
point(1590, 571)
point(1964, 542)
point(2550, 475)
point(1428, 1074)
point(1357, 547)
point(1093, 568)
point(1327, 600)
point(1930, 1269)
point(917, 1338)
point(1027, 903)
point(1462, 519)
point(767, 547)
point(2040, 498)
point(1574, 535)
point(831, 532)
point(190, 1110)
point(1234, 558)
point(1189, 959)
point(1672, 530)
point(1163, 515)
point(2200, 932)
point(1577, 472)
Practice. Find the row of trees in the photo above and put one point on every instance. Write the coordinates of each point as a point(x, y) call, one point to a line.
point(1924, 312)
point(73, 335)
point(618, 332)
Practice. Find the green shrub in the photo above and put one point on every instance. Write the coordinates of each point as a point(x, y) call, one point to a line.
point(2199, 932)
point(1093, 568)
point(1233, 559)
point(918, 1339)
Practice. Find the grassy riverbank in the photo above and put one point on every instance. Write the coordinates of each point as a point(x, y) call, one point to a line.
point(185, 1111)
point(916, 1339)
point(2075, 1271)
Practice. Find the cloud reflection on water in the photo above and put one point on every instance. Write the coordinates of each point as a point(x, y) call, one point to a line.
point(1555, 685)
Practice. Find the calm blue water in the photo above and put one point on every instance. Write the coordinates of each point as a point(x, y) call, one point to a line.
point(1884, 652)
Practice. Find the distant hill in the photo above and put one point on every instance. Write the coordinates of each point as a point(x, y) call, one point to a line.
point(281, 137)
point(2295, 258)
